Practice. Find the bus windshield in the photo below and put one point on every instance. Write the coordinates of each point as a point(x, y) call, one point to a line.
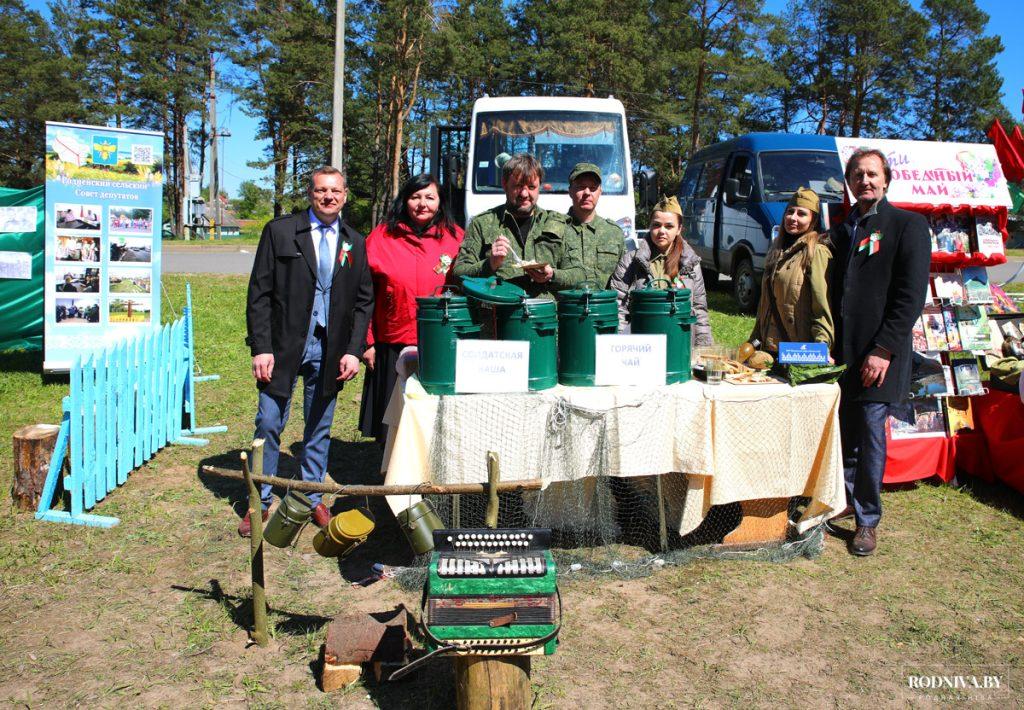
point(782, 172)
point(558, 139)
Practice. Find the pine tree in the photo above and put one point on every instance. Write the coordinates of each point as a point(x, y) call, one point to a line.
point(37, 84)
point(284, 51)
point(959, 86)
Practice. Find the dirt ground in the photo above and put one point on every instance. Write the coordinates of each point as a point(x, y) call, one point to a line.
point(154, 611)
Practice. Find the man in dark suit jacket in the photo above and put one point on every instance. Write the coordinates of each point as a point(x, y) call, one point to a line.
point(879, 280)
point(310, 301)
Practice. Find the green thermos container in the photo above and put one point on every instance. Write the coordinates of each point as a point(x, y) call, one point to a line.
point(507, 313)
point(440, 322)
point(583, 314)
point(667, 312)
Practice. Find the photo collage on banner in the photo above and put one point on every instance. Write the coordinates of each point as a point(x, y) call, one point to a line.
point(104, 195)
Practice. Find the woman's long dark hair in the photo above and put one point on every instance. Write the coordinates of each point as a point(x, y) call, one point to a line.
point(398, 213)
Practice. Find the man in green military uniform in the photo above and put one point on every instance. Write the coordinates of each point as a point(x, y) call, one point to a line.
point(501, 239)
point(599, 241)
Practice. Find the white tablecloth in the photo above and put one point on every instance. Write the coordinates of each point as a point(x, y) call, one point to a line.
point(735, 442)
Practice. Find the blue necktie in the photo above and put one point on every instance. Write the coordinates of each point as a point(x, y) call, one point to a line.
point(323, 275)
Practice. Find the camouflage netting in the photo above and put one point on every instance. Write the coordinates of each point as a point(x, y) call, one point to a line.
point(627, 526)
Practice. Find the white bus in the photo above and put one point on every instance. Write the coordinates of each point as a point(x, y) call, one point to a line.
point(560, 132)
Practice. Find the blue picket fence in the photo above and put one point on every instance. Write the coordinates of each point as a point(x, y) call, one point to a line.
point(126, 402)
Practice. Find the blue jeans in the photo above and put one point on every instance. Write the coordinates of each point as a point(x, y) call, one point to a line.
point(318, 415)
point(862, 430)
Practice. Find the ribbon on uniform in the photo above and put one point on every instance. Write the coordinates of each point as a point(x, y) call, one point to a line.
point(870, 243)
point(345, 249)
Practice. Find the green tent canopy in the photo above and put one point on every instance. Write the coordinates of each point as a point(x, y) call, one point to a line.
point(21, 327)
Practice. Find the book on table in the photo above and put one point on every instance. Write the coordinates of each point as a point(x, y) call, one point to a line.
point(1001, 303)
point(975, 331)
point(934, 328)
point(949, 287)
point(988, 239)
point(928, 376)
point(952, 233)
point(952, 332)
point(918, 418)
point(966, 374)
point(917, 331)
point(959, 415)
point(976, 287)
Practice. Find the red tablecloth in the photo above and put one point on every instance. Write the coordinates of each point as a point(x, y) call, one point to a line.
point(993, 451)
point(914, 459)
point(999, 418)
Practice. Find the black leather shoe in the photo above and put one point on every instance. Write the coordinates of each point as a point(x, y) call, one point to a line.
point(864, 541)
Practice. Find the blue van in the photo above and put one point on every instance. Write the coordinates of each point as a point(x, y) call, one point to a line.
point(733, 195)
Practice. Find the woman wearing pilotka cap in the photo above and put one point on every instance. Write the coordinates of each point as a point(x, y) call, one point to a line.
point(664, 258)
point(794, 289)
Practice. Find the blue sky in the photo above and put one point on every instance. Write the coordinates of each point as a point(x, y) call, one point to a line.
point(242, 145)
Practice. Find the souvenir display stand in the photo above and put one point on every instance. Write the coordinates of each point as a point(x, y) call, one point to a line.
point(961, 190)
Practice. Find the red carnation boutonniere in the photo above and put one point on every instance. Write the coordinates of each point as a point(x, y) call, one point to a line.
point(343, 257)
point(442, 264)
point(871, 243)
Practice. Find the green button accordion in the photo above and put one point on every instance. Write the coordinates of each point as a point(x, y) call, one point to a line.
point(492, 592)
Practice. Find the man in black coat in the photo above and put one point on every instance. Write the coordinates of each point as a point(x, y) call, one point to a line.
point(879, 280)
point(310, 301)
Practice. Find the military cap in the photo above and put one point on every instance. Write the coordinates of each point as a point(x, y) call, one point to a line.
point(805, 197)
point(668, 204)
point(583, 169)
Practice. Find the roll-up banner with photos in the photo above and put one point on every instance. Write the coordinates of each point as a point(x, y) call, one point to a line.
point(104, 194)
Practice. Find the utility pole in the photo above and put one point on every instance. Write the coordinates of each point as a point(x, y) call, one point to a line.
point(214, 206)
point(337, 149)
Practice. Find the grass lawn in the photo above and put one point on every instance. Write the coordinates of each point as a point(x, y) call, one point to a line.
point(153, 612)
point(1015, 287)
point(1015, 252)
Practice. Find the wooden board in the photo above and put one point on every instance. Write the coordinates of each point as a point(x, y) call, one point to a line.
point(765, 520)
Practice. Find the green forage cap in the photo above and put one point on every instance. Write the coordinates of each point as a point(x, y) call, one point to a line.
point(668, 204)
point(805, 197)
point(583, 169)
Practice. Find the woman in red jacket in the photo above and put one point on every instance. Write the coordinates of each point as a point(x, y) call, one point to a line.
point(410, 254)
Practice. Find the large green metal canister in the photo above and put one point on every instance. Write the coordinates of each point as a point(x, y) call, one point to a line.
point(513, 316)
point(666, 311)
point(583, 314)
point(440, 322)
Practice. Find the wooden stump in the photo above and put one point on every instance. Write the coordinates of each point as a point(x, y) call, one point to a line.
point(33, 449)
point(379, 638)
point(493, 682)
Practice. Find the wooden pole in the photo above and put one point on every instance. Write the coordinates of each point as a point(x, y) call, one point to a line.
point(259, 597)
point(493, 478)
point(662, 524)
point(492, 682)
point(416, 488)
